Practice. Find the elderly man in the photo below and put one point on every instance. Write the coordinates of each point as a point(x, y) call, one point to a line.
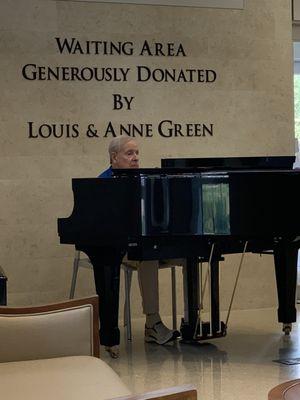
point(124, 153)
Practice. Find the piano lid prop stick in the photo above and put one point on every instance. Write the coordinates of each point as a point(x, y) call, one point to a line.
point(236, 282)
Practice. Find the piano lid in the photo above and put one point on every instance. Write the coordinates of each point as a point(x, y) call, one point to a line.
point(138, 172)
point(272, 162)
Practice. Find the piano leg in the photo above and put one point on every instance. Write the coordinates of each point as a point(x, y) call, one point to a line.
point(3, 288)
point(214, 295)
point(191, 277)
point(106, 261)
point(216, 327)
point(285, 259)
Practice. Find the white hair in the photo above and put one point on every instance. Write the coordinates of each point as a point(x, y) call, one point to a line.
point(117, 143)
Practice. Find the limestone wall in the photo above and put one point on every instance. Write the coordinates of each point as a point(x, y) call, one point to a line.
point(237, 102)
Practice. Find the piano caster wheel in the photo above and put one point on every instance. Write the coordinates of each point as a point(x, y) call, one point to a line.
point(287, 328)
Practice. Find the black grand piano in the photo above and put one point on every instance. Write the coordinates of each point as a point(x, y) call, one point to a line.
point(199, 209)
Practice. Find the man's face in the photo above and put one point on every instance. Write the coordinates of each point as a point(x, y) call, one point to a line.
point(127, 157)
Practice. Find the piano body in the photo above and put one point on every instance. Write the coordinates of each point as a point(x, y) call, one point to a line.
point(197, 209)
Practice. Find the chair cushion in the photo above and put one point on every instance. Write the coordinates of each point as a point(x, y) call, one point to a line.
point(64, 378)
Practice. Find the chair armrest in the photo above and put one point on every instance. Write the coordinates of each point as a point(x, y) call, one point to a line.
point(289, 390)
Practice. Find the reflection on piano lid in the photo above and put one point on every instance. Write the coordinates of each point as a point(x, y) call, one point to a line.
point(274, 162)
point(157, 172)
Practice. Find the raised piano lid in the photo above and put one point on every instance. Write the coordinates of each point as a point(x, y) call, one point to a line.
point(274, 162)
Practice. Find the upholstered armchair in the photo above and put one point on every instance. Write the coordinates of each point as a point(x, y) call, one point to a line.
point(52, 352)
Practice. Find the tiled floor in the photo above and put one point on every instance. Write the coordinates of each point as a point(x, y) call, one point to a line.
point(237, 367)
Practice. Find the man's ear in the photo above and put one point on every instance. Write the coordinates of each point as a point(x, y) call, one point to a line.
point(113, 157)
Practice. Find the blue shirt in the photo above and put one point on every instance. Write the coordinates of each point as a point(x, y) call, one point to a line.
point(106, 174)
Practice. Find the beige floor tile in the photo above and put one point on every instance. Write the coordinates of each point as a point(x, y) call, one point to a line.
point(239, 366)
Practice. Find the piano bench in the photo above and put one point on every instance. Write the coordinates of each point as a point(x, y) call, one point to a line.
point(128, 269)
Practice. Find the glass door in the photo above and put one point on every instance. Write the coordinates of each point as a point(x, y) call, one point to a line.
point(297, 129)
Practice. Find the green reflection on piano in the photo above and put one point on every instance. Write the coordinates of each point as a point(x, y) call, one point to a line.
point(215, 205)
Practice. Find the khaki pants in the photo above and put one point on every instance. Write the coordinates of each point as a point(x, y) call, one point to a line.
point(148, 282)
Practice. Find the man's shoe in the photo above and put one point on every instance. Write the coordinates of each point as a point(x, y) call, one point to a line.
point(160, 334)
point(113, 351)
